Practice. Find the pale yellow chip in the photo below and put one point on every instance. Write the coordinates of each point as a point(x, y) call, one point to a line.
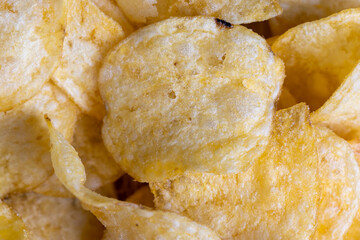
point(296, 12)
point(340, 186)
point(11, 226)
point(189, 94)
point(52, 187)
point(122, 220)
point(234, 11)
point(89, 35)
point(24, 143)
point(142, 196)
point(55, 218)
point(30, 44)
point(277, 198)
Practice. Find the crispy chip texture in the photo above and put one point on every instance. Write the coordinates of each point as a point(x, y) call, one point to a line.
point(296, 12)
point(89, 35)
point(55, 218)
point(277, 198)
point(122, 220)
point(191, 94)
point(11, 226)
point(24, 143)
point(30, 44)
point(319, 56)
point(340, 186)
point(234, 11)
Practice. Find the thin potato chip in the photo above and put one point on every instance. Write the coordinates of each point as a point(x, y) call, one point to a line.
point(52, 187)
point(89, 35)
point(142, 196)
point(277, 198)
point(122, 220)
point(55, 218)
point(30, 45)
point(296, 12)
point(24, 143)
point(235, 11)
point(11, 226)
point(286, 99)
point(319, 56)
point(189, 94)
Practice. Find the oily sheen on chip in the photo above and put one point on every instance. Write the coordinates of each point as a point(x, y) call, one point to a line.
point(189, 94)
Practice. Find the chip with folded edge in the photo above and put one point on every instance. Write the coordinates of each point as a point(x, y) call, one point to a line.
point(234, 11)
point(277, 198)
point(189, 94)
point(89, 35)
point(122, 219)
point(30, 45)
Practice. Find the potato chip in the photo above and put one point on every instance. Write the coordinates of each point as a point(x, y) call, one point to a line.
point(142, 196)
point(296, 12)
point(122, 220)
point(340, 186)
point(89, 35)
point(55, 218)
point(189, 94)
point(286, 99)
point(30, 44)
point(52, 187)
point(24, 143)
point(110, 8)
point(11, 226)
point(235, 11)
point(277, 198)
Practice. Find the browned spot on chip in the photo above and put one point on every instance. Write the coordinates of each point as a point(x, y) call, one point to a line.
point(223, 24)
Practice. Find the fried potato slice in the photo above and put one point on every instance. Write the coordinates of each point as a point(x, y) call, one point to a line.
point(142, 196)
point(319, 56)
point(110, 8)
point(11, 226)
point(55, 218)
point(234, 11)
point(286, 99)
point(340, 186)
point(277, 198)
point(24, 143)
point(296, 12)
point(30, 45)
point(89, 35)
point(189, 94)
point(122, 220)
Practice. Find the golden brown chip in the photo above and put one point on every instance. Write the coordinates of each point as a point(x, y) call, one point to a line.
point(142, 196)
point(55, 218)
point(122, 220)
point(189, 94)
point(234, 11)
point(286, 99)
point(11, 226)
point(319, 56)
point(277, 198)
point(52, 187)
point(340, 186)
point(24, 143)
point(30, 44)
point(296, 12)
point(89, 35)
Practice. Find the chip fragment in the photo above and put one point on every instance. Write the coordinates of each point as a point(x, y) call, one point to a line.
point(30, 45)
point(189, 94)
point(89, 35)
point(296, 12)
point(11, 226)
point(24, 143)
point(122, 220)
point(277, 198)
point(55, 218)
point(234, 11)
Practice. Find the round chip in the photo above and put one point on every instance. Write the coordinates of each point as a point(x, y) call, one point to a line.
point(30, 44)
point(189, 94)
point(235, 11)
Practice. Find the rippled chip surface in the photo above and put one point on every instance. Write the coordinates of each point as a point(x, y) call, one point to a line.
point(30, 44)
point(277, 198)
point(55, 218)
point(122, 220)
point(234, 11)
point(296, 12)
point(189, 94)
point(24, 143)
point(89, 35)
